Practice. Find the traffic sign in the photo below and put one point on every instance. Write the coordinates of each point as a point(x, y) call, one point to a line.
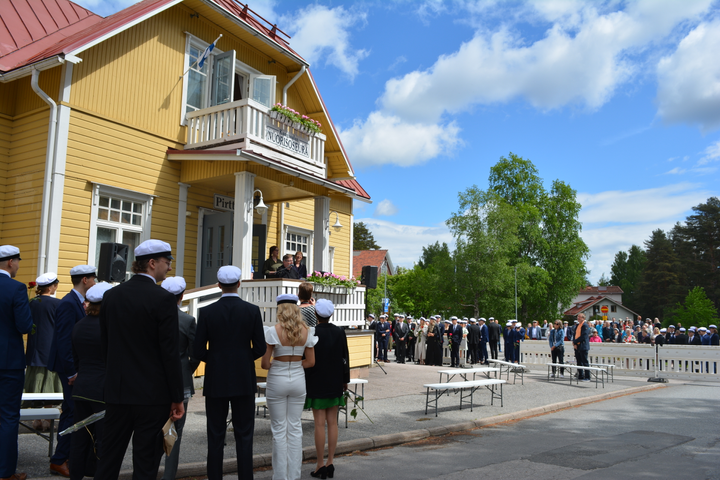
point(604, 309)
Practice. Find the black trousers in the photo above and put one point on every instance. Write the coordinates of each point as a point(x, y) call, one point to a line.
point(455, 355)
point(494, 349)
point(581, 357)
point(410, 351)
point(474, 350)
point(558, 356)
point(400, 350)
point(172, 460)
point(144, 424)
point(382, 349)
point(62, 448)
point(243, 420)
point(483, 352)
point(85, 449)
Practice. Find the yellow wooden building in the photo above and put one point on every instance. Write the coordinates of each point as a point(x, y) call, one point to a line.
point(111, 131)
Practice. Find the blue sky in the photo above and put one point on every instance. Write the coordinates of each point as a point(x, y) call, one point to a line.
point(621, 100)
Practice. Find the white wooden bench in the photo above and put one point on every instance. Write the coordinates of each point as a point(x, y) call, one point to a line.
point(354, 382)
point(507, 367)
point(30, 414)
point(607, 366)
point(445, 388)
point(594, 371)
point(466, 371)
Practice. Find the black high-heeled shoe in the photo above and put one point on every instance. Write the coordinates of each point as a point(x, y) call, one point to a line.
point(330, 470)
point(319, 473)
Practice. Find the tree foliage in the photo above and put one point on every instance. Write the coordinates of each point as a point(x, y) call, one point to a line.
point(661, 283)
point(626, 272)
point(697, 310)
point(362, 237)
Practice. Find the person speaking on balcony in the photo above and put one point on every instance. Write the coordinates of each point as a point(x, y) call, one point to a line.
point(287, 270)
point(299, 265)
point(272, 263)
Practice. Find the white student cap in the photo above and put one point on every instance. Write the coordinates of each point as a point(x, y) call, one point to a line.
point(82, 270)
point(174, 285)
point(96, 292)
point(153, 248)
point(229, 274)
point(8, 252)
point(46, 279)
point(324, 308)
point(287, 298)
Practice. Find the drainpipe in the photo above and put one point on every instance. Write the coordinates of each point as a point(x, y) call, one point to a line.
point(289, 84)
point(49, 163)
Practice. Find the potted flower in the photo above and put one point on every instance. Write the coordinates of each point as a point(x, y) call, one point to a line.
point(290, 117)
point(331, 283)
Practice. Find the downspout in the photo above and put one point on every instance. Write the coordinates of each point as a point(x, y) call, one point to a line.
point(49, 166)
point(289, 84)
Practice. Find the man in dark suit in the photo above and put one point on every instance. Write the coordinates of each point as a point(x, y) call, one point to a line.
point(494, 334)
point(693, 337)
point(233, 328)
point(484, 335)
point(69, 311)
point(186, 337)
point(411, 339)
point(508, 341)
point(287, 270)
point(473, 340)
point(382, 333)
point(681, 338)
point(455, 334)
point(15, 320)
point(581, 344)
point(143, 381)
point(400, 335)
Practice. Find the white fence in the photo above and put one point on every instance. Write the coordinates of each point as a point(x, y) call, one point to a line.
point(673, 361)
point(349, 306)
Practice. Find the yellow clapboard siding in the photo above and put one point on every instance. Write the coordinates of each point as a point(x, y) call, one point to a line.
point(8, 98)
point(27, 100)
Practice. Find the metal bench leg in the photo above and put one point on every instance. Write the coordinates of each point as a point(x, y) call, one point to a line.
point(51, 437)
point(427, 400)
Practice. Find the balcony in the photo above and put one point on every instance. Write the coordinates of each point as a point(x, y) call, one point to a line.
point(247, 125)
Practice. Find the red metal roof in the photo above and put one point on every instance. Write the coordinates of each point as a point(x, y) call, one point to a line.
point(28, 27)
point(353, 185)
point(361, 258)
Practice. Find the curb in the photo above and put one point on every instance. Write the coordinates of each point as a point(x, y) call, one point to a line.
point(391, 439)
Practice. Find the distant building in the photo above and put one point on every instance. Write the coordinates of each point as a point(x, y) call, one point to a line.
point(375, 258)
point(590, 301)
point(612, 292)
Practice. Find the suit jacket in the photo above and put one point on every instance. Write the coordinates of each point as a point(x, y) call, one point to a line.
point(332, 363)
point(695, 340)
point(681, 339)
point(457, 334)
point(473, 336)
point(382, 327)
point(291, 273)
point(583, 341)
point(186, 337)
point(535, 333)
point(88, 359)
point(401, 331)
point(494, 332)
point(233, 329)
point(484, 333)
point(15, 320)
point(69, 311)
point(42, 309)
point(139, 336)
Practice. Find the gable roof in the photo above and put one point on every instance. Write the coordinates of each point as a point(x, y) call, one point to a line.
point(589, 302)
point(609, 290)
point(28, 27)
point(374, 258)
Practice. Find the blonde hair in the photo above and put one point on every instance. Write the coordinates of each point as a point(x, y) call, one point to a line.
point(290, 320)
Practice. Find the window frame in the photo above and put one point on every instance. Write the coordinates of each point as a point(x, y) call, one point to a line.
point(99, 190)
point(290, 229)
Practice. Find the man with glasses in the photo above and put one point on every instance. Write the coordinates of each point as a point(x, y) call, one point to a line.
point(556, 339)
point(69, 311)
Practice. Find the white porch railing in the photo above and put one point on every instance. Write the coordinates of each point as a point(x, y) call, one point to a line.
point(248, 119)
point(674, 361)
point(349, 307)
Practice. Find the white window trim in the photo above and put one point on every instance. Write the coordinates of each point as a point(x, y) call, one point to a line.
point(299, 231)
point(102, 189)
point(191, 39)
point(331, 255)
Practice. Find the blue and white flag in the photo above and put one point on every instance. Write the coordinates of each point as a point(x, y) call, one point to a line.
point(206, 53)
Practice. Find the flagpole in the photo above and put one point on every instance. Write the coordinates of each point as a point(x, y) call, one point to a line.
point(196, 61)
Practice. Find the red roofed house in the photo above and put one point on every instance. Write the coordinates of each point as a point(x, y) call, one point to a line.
point(374, 258)
point(113, 130)
point(590, 301)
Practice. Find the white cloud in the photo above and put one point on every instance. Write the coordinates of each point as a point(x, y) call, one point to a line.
point(405, 242)
point(689, 79)
point(676, 171)
point(385, 139)
point(616, 220)
point(582, 58)
point(322, 33)
point(711, 154)
point(385, 209)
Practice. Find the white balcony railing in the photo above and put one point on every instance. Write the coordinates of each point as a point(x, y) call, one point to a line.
point(250, 122)
point(349, 307)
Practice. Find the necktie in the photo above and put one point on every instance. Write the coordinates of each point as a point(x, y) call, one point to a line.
point(578, 329)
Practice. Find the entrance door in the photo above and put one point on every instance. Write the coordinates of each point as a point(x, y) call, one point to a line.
point(259, 250)
point(217, 245)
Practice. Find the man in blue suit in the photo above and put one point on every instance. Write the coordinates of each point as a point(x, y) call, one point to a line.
point(484, 333)
point(15, 320)
point(68, 313)
point(383, 335)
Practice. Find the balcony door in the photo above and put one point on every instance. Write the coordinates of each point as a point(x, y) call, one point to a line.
point(216, 245)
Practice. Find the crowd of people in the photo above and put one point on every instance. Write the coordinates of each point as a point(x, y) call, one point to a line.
point(424, 340)
point(130, 351)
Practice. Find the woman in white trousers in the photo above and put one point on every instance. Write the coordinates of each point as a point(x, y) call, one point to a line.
point(287, 342)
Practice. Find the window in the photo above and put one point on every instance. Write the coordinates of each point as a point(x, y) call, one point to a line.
point(118, 216)
point(298, 239)
point(613, 308)
point(221, 80)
